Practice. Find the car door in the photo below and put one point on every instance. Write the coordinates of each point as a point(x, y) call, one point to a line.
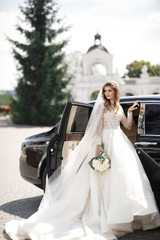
point(71, 130)
point(148, 137)
point(132, 133)
point(148, 144)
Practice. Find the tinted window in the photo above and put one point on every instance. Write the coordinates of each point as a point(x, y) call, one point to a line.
point(81, 119)
point(131, 134)
point(152, 119)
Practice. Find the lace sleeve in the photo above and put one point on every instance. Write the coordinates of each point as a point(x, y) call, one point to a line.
point(99, 130)
point(127, 121)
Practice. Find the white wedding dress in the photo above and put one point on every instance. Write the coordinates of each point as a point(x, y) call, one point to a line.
point(97, 205)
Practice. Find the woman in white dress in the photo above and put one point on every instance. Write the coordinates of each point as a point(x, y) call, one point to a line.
point(81, 203)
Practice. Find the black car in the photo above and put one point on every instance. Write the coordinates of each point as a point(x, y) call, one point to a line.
point(41, 154)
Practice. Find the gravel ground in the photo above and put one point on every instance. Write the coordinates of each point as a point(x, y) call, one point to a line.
point(19, 199)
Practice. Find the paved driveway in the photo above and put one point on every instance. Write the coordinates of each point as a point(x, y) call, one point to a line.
point(19, 199)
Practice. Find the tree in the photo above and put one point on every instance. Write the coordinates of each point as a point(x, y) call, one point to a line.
point(5, 99)
point(134, 69)
point(94, 95)
point(155, 70)
point(41, 91)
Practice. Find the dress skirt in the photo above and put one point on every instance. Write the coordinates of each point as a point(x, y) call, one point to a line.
point(97, 205)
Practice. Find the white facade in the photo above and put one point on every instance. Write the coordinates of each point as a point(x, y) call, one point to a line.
point(145, 85)
point(89, 80)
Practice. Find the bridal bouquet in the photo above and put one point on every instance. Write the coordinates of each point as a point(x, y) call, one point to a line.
point(100, 163)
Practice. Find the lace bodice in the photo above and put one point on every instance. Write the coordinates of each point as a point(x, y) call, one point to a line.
point(111, 120)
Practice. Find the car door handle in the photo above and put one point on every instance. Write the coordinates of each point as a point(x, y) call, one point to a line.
point(145, 143)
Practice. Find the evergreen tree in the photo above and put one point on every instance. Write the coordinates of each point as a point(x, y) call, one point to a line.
point(41, 91)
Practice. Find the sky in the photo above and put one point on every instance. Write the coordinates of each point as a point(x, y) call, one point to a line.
point(129, 29)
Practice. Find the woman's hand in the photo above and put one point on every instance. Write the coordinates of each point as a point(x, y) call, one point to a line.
point(99, 149)
point(134, 106)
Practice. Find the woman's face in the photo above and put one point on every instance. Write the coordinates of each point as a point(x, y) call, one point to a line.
point(109, 93)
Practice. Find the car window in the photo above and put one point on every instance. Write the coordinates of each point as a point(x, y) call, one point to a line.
point(78, 119)
point(131, 134)
point(152, 119)
point(77, 123)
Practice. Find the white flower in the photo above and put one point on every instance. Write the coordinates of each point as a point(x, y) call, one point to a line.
point(95, 164)
point(100, 163)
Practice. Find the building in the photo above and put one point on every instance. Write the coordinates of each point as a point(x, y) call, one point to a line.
point(97, 68)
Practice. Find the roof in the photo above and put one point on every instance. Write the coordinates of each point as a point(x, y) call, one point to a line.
point(97, 47)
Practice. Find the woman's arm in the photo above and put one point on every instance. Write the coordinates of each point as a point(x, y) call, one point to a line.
point(98, 135)
point(127, 121)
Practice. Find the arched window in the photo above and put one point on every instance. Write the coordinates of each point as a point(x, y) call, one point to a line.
point(94, 95)
point(98, 69)
point(129, 94)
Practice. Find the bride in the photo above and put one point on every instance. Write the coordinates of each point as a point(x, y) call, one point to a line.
point(81, 203)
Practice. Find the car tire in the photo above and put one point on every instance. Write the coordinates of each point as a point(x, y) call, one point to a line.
point(44, 178)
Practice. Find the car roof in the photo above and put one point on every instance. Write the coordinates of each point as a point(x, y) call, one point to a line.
point(142, 98)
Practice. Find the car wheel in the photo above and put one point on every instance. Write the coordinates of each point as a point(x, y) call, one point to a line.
point(44, 178)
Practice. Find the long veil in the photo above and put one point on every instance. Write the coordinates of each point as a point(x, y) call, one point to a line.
point(62, 179)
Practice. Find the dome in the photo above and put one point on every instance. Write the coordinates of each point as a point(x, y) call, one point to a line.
point(97, 37)
point(97, 47)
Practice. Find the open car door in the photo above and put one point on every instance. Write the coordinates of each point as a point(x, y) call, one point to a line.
point(148, 144)
point(71, 130)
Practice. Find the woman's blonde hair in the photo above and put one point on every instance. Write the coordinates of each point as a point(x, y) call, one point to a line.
point(107, 102)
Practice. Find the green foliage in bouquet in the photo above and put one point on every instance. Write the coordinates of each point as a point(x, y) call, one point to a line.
point(101, 157)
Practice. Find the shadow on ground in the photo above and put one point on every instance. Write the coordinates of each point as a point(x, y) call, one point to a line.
point(23, 207)
point(137, 235)
point(5, 235)
point(143, 235)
